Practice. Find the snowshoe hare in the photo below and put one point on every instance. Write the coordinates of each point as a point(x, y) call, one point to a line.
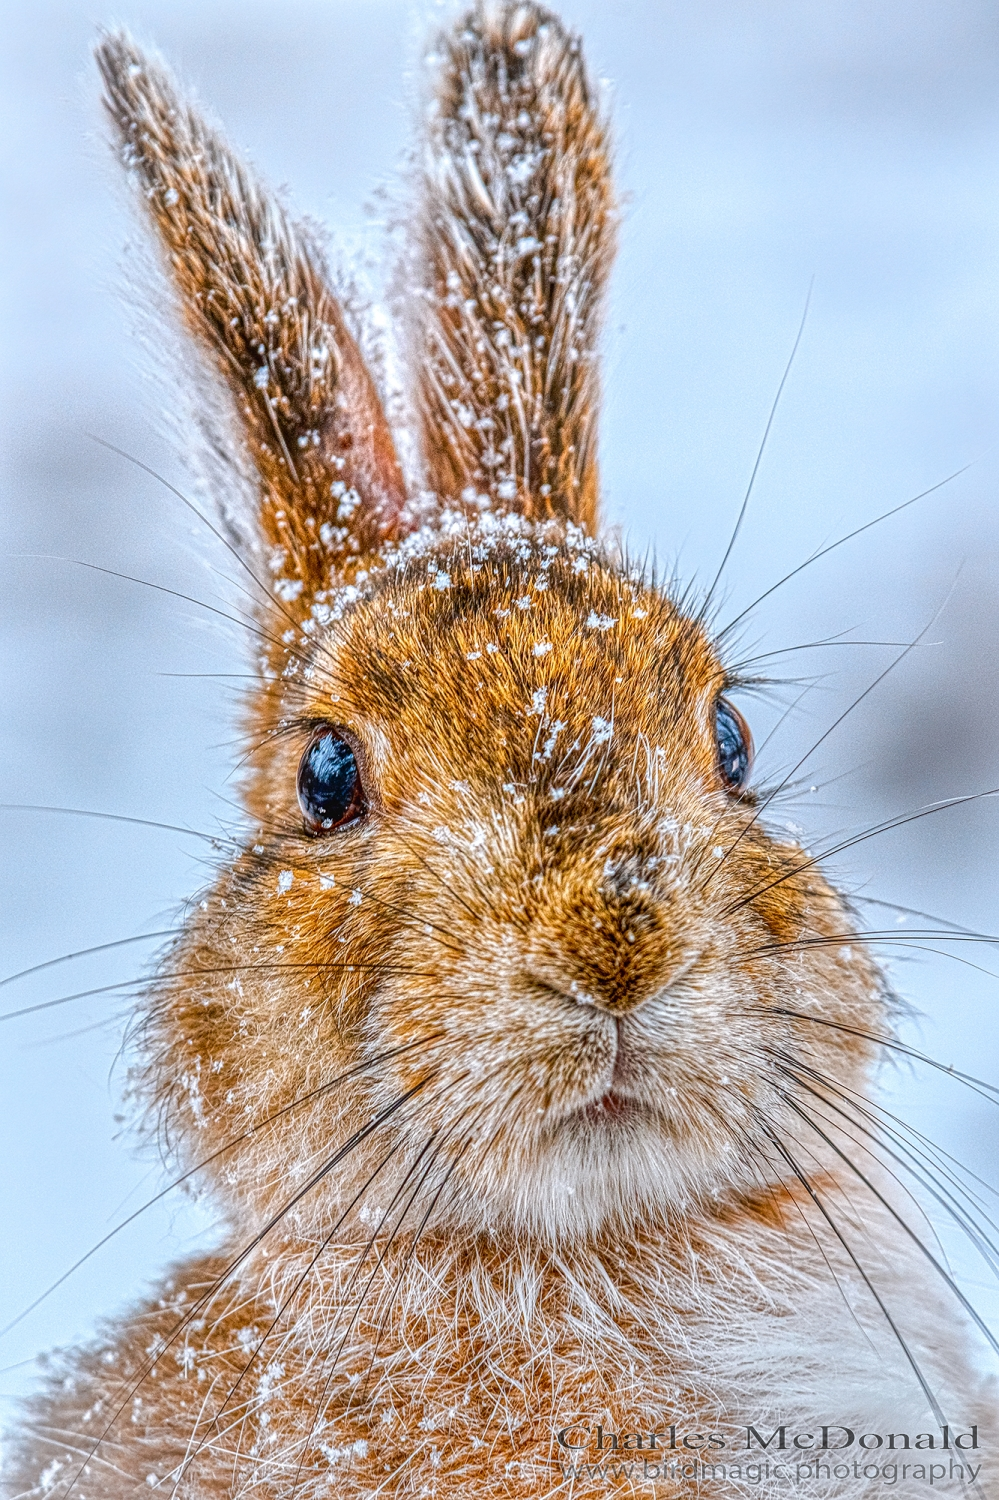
point(530, 1071)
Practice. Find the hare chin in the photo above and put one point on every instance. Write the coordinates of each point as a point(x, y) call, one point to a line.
point(609, 1165)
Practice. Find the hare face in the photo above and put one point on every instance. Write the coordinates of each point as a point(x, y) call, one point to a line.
point(539, 935)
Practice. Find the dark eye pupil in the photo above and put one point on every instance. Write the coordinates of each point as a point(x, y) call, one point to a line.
point(733, 750)
point(329, 787)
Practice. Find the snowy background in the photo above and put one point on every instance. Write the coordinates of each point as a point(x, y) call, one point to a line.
point(758, 147)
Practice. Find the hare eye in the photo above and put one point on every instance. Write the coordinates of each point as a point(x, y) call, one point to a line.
point(735, 747)
point(329, 784)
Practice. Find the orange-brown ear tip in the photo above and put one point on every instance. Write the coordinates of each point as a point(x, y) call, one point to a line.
point(118, 59)
point(136, 84)
point(518, 234)
point(505, 23)
point(532, 40)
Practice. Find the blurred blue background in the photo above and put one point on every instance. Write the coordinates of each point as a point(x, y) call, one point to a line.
point(758, 147)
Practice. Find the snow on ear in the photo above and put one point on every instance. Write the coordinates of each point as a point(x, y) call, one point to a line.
point(254, 292)
point(517, 237)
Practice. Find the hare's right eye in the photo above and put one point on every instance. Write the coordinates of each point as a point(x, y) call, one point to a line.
point(329, 784)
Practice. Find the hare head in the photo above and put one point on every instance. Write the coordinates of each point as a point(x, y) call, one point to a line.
point(508, 944)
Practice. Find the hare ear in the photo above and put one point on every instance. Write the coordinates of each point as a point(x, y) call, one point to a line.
point(517, 231)
point(253, 291)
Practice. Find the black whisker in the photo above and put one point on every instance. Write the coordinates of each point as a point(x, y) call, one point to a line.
point(910, 935)
point(824, 551)
point(841, 1289)
point(937, 1266)
point(65, 958)
point(216, 840)
point(161, 588)
point(977, 1085)
point(897, 1217)
point(379, 1261)
point(911, 911)
point(812, 1192)
point(282, 1309)
point(316, 965)
point(206, 1161)
point(101, 989)
point(759, 456)
point(363, 1387)
point(220, 536)
point(812, 749)
point(886, 826)
point(911, 1160)
point(169, 1339)
point(750, 661)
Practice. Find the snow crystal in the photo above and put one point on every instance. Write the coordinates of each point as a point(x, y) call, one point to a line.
point(357, 1449)
point(549, 745)
point(521, 167)
point(602, 730)
point(600, 622)
point(284, 881)
point(542, 648)
point(47, 1477)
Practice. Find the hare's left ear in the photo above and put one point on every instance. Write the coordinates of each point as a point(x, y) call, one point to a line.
point(517, 237)
point(253, 291)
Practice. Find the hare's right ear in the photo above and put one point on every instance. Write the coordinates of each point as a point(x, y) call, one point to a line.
point(253, 290)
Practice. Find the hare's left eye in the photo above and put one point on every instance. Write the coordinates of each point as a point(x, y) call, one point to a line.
point(735, 747)
point(329, 783)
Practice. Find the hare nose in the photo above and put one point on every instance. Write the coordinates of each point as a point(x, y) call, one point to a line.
point(610, 943)
point(615, 960)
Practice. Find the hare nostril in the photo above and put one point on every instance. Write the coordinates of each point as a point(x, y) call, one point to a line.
point(612, 999)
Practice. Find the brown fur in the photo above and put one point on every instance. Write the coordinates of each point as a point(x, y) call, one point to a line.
point(517, 240)
point(499, 1087)
point(253, 288)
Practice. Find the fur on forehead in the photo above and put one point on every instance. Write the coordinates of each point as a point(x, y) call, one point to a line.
point(500, 623)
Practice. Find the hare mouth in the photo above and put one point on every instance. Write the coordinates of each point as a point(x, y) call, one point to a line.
point(614, 1109)
point(611, 1107)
